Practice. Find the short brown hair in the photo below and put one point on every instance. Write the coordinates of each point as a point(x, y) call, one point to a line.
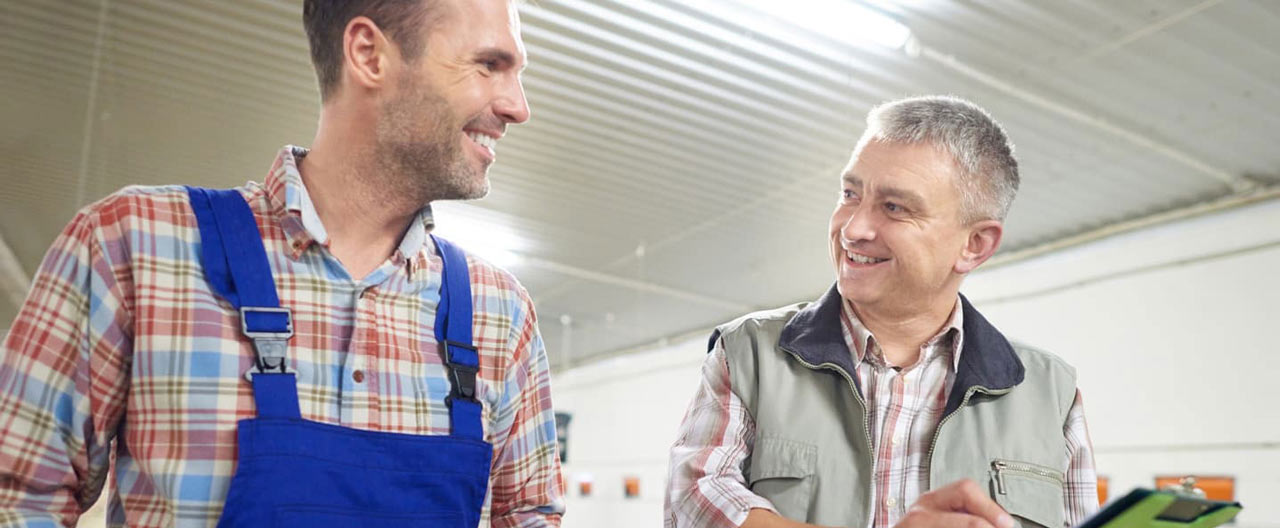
point(404, 22)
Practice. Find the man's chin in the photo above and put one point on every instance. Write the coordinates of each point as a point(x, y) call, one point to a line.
point(473, 190)
point(858, 294)
point(479, 183)
point(482, 188)
point(464, 181)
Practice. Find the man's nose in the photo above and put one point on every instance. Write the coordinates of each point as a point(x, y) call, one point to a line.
point(510, 104)
point(861, 225)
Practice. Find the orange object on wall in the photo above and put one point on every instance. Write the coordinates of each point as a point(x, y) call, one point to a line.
point(1215, 488)
point(1103, 482)
point(631, 486)
point(584, 488)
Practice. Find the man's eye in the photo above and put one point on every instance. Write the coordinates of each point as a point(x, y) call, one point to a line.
point(491, 65)
point(848, 194)
point(892, 207)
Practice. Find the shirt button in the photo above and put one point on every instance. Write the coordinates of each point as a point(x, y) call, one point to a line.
point(896, 440)
point(358, 376)
point(891, 502)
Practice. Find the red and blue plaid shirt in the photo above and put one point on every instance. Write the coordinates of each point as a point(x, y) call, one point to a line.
point(98, 364)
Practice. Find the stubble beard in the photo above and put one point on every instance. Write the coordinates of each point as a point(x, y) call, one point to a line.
point(419, 152)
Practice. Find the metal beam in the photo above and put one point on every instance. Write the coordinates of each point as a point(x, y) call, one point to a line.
point(1231, 201)
point(13, 280)
point(91, 108)
point(639, 285)
point(1154, 27)
point(1234, 181)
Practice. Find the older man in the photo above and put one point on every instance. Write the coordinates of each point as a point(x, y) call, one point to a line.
point(890, 401)
point(308, 334)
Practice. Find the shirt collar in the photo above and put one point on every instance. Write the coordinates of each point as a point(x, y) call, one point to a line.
point(289, 198)
point(861, 341)
point(813, 335)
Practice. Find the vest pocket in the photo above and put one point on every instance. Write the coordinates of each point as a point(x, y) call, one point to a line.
point(782, 471)
point(1030, 492)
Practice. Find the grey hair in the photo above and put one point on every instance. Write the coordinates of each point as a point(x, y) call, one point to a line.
point(976, 142)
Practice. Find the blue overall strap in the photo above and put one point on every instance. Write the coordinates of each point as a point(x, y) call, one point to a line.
point(236, 267)
point(453, 332)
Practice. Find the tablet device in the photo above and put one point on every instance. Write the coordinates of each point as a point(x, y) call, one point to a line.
point(1144, 508)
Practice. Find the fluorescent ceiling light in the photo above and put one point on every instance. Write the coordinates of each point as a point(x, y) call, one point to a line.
point(843, 20)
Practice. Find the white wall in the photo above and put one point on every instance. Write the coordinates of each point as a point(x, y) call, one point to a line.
point(625, 414)
point(1174, 331)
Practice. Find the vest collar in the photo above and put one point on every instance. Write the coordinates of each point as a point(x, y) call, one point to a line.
point(987, 360)
point(814, 336)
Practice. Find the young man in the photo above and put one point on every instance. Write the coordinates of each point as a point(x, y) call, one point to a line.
point(306, 335)
point(891, 401)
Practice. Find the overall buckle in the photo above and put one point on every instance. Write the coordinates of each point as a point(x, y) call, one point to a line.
point(270, 338)
point(462, 377)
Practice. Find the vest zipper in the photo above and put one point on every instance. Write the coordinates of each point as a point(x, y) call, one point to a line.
point(866, 427)
point(938, 432)
point(1001, 466)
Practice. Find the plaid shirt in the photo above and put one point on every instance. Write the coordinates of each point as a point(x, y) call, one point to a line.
point(100, 363)
point(707, 487)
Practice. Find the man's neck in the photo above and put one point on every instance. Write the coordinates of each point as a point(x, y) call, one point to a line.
point(363, 222)
point(901, 331)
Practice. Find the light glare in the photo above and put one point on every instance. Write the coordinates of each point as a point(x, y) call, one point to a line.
point(843, 20)
point(489, 242)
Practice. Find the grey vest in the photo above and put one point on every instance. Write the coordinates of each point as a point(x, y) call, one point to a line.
point(1002, 427)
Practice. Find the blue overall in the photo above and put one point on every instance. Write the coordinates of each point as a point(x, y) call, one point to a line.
point(294, 472)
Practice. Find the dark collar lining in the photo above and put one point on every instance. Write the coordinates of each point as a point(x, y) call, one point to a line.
point(987, 360)
point(814, 334)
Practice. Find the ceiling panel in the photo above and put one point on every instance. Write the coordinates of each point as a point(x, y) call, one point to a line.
point(681, 163)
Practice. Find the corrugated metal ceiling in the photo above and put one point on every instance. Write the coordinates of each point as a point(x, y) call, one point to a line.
point(681, 162)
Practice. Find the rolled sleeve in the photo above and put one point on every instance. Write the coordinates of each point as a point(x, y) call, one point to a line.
point(706, 485)
point(527, 487)
point(1080, 494)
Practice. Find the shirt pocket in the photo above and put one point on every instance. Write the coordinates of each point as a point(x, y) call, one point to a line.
point(782, 472)
point(1032, 493)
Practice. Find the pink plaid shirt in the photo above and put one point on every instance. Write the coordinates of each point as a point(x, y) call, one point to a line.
point(905, 405)
point(97, 366)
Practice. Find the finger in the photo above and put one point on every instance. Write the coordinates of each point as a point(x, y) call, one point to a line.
point(925, 518)
point(966, 496)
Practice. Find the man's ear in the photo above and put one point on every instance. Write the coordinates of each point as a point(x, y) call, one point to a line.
point(366, 54)
point(984, 240)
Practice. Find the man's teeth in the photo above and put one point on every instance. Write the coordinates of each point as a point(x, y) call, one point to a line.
point(860, 259)
point(483, 140)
